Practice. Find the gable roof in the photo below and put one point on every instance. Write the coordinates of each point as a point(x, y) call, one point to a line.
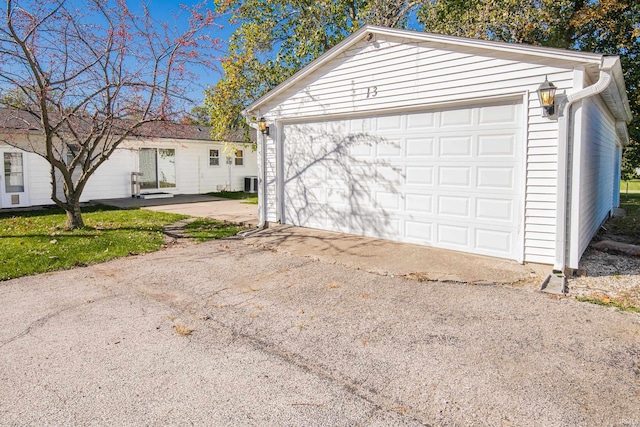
point(369, 32)
point(22, 121)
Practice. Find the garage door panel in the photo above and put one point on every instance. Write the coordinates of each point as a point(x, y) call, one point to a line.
point(388, 201)
point(306, 215)
point(456, 146)
point(314, 176)
point(389, 148)
point(498, 178)
point(420, 147)
point(421, 121)
point(458, 117)
point(491, 209)
point(496, 241)
point(313, 179)
point(337, 196)
point(303, 204)
point(386, 175)
point(390, 231)
point(452, 236)
point(419, 203)
point(389, 123)
point(443, 178)
point(361, 150)
point(366, 225)
point(362, 202)
point(419, 232)
point(496, 145)
point(359, 177)
point(459, 206)
point(454, 176)
point(420, 175)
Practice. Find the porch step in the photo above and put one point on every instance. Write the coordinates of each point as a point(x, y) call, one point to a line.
point(156, 196)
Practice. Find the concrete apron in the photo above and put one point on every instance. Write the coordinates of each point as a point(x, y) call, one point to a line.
point(397, 259)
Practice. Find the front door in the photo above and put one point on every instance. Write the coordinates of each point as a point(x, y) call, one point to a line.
point(13, 189)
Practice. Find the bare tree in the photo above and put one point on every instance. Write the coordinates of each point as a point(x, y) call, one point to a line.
point(88, 75)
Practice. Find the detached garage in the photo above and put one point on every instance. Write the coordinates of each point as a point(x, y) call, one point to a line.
point(443, 141)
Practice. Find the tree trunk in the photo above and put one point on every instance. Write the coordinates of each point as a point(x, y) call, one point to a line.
point(74, 216)
point(626, 193)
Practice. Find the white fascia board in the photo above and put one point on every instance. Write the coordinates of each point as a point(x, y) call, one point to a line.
point(619, 91)
point(623, 133)
point(523, 49)
point(412, 36)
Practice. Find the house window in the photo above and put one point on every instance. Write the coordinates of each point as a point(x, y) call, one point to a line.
point(239, 158)
point(214, 157)
point(13, 173)
point(158, 167)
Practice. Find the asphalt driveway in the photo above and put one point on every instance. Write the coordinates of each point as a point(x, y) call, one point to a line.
point(280, 339)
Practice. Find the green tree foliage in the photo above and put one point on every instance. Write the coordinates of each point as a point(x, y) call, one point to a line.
point(539, 22)
point(275, 39)
point(602, 26)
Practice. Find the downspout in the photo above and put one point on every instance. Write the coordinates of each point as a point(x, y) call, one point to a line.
point(563, 162)
point(262, 188)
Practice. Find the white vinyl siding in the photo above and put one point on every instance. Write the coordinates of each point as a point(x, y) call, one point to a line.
point(407, 74)
point(421, 75)
point(38, 179)
point(113, 178)
point(596, 173)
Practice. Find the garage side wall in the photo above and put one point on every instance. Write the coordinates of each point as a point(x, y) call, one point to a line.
point(393, 75)
point(598, 165)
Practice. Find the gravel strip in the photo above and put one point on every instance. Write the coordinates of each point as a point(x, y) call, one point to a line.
point(608, 275)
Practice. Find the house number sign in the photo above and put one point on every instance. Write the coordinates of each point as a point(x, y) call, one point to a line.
point(372, 91)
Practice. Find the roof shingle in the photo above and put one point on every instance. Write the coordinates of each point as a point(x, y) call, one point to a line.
point(18, 120)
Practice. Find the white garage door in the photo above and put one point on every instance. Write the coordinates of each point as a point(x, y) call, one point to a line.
point(448, 178)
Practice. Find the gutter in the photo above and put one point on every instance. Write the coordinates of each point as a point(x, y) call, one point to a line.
point(563, 162)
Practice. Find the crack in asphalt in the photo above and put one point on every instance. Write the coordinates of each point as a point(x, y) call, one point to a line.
point(40, 322)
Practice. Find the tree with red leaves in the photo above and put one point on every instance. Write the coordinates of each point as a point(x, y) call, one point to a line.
point(86, 75)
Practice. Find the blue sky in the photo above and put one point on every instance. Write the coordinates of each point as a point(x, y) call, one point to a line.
point(164, 11)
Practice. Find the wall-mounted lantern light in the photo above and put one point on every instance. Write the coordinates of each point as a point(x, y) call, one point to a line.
point(262, 126)
point(547, 96)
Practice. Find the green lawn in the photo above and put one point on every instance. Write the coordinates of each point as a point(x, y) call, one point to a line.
point(634, 185)
point(35, 241)
point(204, 229)
point(249, 198)
point(630, 224)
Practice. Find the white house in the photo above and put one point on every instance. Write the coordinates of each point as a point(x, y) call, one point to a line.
point(442, 141)
point(173, 159)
